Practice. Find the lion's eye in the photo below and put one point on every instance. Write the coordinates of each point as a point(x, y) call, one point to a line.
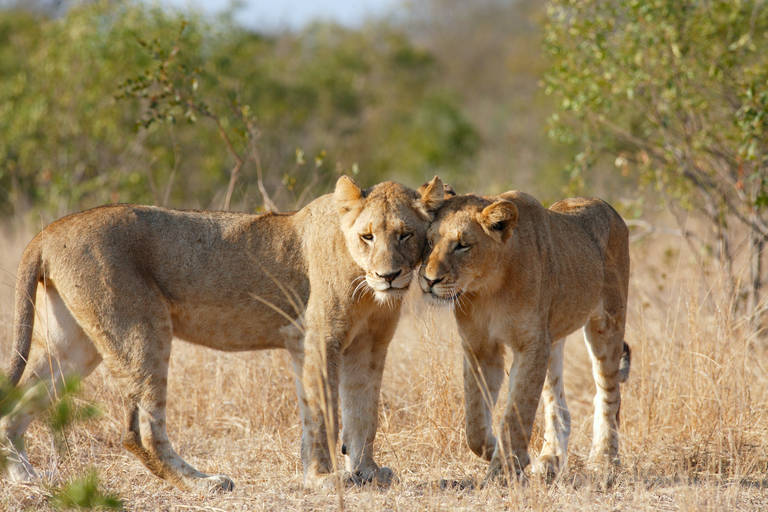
point(460, 247)
point(367, 237)
point(405, 236)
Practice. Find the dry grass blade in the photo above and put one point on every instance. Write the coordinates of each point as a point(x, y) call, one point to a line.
point(694, 429)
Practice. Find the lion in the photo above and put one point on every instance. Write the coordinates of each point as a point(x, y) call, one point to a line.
point(522, 277)
point(325, 283)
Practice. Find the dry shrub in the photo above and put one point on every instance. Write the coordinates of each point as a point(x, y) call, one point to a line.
point(694, 429)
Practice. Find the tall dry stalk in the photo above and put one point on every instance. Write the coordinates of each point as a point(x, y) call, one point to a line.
point(694, 429)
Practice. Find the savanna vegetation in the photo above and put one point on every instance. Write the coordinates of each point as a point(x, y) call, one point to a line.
point(658, 106)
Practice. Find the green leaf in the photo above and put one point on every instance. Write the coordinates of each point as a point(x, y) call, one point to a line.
point(84, 493)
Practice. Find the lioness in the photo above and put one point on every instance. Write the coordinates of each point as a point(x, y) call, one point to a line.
point(121, 281)
point(523, 277)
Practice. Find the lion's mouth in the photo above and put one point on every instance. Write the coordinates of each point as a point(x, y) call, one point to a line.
point(398, 285)
point(446, 298)
point(393, 290)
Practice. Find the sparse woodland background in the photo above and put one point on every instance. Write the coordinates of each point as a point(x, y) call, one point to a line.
point(659, 107)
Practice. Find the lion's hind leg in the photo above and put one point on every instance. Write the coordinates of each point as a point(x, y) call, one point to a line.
point(146, 438)
point(557, 418)
point(604, 337)
point(136, 345)
point(60, 349)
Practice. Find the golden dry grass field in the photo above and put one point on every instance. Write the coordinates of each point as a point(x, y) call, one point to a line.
point(694, 429)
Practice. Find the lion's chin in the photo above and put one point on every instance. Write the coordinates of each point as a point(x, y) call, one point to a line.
point(441, 300)
point(388, 295)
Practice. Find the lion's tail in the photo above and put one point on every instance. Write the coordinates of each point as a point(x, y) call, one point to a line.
point(30, 272)
point(626, 359)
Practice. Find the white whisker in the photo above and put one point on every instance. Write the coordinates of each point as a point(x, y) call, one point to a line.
point(356, 283)
point(457, 304)
point(362, 287)
point(463, 302)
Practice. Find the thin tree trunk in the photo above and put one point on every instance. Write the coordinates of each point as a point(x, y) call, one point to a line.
point(726, 258)
point(756, 245)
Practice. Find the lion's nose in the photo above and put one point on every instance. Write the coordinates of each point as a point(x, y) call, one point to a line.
point(389, 277)
point(433, 282)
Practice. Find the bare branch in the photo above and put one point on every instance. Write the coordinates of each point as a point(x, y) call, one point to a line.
point(253, 136)
point(647, 229)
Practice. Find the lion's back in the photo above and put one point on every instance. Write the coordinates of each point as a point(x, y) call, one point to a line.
point(575, 218)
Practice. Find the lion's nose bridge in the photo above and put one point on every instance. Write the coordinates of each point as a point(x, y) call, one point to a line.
point(432, 269)
point(386, 259)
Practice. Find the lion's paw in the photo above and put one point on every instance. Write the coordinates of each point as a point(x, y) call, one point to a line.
point(547, 466)
point(378, 476)
point(322, 481)
point(381, 477)
point(214, 484)
point(19, 470)
point(603, 470)
point(501, 474)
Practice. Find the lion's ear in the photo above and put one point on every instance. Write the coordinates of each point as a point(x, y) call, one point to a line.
point(348, 196)
point(431, 195)
point(498, 219)
point(448, 190)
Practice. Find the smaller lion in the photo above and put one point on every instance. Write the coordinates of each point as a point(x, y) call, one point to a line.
point(522, 277)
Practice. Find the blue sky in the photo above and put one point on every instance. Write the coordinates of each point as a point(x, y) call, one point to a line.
point(277, 14)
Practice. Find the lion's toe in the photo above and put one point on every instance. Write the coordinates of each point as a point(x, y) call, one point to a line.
point(384, 477)
point(378, 476)
point(218, 483)
point(502, 473)
point(547, 466)
point(19, 473)
point(18, 469)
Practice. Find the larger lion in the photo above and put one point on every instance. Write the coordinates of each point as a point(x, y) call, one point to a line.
point(523, 277)
point(119, 282)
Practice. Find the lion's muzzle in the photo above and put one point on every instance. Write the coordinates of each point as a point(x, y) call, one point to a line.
point(438, 290)
point(389, 284)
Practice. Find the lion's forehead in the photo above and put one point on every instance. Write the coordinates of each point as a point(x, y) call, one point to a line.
point(454, 224)
point(380, 216)
point(390, 191)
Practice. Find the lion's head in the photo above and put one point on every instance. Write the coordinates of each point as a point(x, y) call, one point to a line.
point(466, 246)
point(385, 230)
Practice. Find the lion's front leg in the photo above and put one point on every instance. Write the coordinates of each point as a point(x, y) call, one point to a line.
point(317, 387)
point(557, 419)
point(361, 373)
point(526, 379)
point(483, 373)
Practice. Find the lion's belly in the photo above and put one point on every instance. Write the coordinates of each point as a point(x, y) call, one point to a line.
point(233, 328)
point(571, 312)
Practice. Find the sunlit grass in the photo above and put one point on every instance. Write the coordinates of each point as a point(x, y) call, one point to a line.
point(694, 425)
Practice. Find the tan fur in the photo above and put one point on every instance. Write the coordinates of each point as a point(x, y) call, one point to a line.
point(119, 282)
point(523, 277)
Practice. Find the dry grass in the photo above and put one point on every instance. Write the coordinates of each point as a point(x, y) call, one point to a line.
point(694, 428)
